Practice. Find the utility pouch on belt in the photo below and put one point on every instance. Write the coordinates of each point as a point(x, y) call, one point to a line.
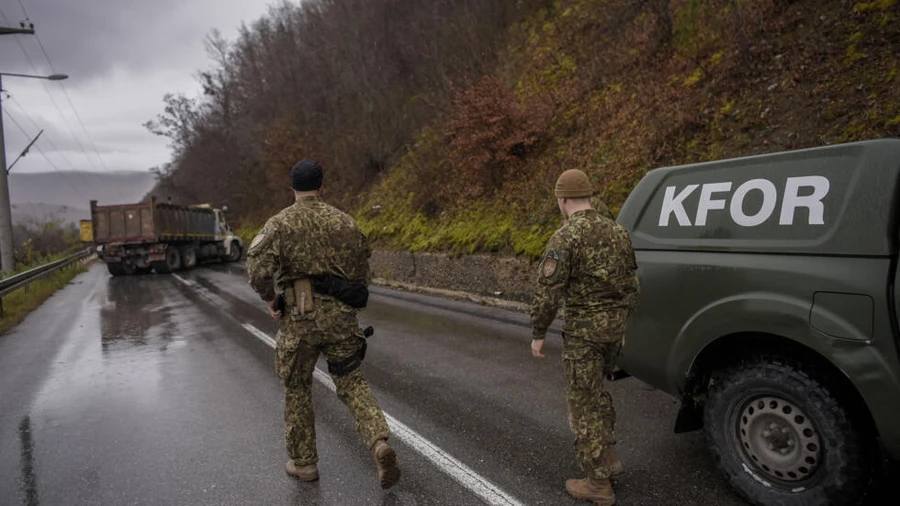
point(303, 296)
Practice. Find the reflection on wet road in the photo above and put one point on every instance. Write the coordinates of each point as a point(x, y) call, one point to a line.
point(150, 390)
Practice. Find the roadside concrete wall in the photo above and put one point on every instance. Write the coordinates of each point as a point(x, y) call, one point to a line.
point(488, 276)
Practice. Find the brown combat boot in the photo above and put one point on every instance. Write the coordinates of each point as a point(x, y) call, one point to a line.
point(305, 473)
point(589, 489)
point(610, 461)
point(386, 462)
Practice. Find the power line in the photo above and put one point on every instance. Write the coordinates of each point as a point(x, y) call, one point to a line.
point(50, 95)
point(65, 92)
point(39, 150)
point(58, 151)
point(13, 118)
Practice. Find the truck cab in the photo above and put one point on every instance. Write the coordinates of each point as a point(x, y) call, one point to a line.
point(769, 308)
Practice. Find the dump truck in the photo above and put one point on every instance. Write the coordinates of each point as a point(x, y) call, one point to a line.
point(770, 307)
point(163, 237)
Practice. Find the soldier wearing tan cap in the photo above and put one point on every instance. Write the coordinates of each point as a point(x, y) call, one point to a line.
point(589, 266)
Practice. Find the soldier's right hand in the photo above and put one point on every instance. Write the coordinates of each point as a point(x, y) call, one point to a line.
point(272, 311)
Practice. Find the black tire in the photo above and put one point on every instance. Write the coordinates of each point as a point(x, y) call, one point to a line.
point(188, 258)
point(144, 270)
point(236, 253)
point(116, 269)
point(172, 262)
point(768, 417)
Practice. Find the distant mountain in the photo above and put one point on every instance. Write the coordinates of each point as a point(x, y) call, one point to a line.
point(70, 192)
point(42, 213)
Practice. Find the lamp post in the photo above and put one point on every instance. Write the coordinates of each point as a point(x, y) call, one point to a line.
point(7, 263)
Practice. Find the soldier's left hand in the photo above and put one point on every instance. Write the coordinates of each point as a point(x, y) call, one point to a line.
point(537, 346)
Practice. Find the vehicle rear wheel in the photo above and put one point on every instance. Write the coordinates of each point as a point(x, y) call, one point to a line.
point(171, 264)
point(235, 254)
point(116, 269)
point(780, 436)
point(188, 258)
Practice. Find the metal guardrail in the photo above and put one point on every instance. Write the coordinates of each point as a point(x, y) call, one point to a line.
point(23, 279)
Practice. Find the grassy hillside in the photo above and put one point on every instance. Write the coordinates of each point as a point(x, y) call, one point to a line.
point(444, 127)
point(619, 96)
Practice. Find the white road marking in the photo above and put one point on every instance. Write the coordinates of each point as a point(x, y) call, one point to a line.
point(266, 338)
point(469, 479)
point(465, 476)
point(179, 278)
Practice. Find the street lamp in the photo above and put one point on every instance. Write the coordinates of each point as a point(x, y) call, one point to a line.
point(7, 262)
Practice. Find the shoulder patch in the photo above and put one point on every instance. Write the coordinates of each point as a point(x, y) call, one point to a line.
point(549, 264)
point(260, 237)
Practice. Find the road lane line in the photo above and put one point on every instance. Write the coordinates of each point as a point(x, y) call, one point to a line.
point(462, 474)
point(260, 334)
point(469, 479)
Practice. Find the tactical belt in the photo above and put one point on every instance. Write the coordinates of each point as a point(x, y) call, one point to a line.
point(352, 293)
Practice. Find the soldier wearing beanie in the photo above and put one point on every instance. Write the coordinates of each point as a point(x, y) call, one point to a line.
point(589, 266)
point(318, 259)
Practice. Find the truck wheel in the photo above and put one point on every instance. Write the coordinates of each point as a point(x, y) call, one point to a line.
point(116, 269)
point(188, 258)
point(171, 264)
point(780, 436)
point(235, 254)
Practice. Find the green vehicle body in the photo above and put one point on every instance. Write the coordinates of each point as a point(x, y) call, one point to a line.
point(793, 253)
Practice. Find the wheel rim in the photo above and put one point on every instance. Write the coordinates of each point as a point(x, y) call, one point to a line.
point(779, 439)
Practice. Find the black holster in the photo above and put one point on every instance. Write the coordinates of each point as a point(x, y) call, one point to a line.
point(338, 369)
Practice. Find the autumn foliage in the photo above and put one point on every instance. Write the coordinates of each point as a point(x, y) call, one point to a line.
point(443, 124)
point(491, 134)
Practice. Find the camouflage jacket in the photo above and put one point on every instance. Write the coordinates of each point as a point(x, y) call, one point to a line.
point(589, 266)
point(308, 238)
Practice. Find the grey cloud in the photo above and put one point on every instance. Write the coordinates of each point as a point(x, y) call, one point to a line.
point(122, 56)
point(95, 36)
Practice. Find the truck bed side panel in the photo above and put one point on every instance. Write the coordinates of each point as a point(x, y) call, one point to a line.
point(125, 223)
point(822, 201)
point(181, 223)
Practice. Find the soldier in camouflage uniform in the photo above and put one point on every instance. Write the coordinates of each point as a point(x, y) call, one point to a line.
point(589, 266)
point(308, 240)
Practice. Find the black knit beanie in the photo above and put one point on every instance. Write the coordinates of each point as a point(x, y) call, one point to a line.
point(306, 175)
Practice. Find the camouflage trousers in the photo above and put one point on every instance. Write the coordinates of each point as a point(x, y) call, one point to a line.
point(335, 334)
point(587, 360)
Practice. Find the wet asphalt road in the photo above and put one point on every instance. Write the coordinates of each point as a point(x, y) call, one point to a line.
point(150, 390)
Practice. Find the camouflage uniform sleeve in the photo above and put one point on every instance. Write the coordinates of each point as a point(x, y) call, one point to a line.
point(263, 260)
point(553, 273)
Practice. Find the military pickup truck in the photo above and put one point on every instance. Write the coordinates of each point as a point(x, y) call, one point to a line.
point(769, 307)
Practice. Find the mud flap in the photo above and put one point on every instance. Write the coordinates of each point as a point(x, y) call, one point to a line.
point(690, 415)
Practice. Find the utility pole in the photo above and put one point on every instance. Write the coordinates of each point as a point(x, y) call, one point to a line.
point(7, 262)
point(7, 259)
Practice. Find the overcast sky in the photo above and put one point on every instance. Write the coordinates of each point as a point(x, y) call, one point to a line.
point(121, 56)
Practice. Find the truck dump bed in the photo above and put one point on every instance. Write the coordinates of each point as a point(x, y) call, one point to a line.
point(151, 221)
